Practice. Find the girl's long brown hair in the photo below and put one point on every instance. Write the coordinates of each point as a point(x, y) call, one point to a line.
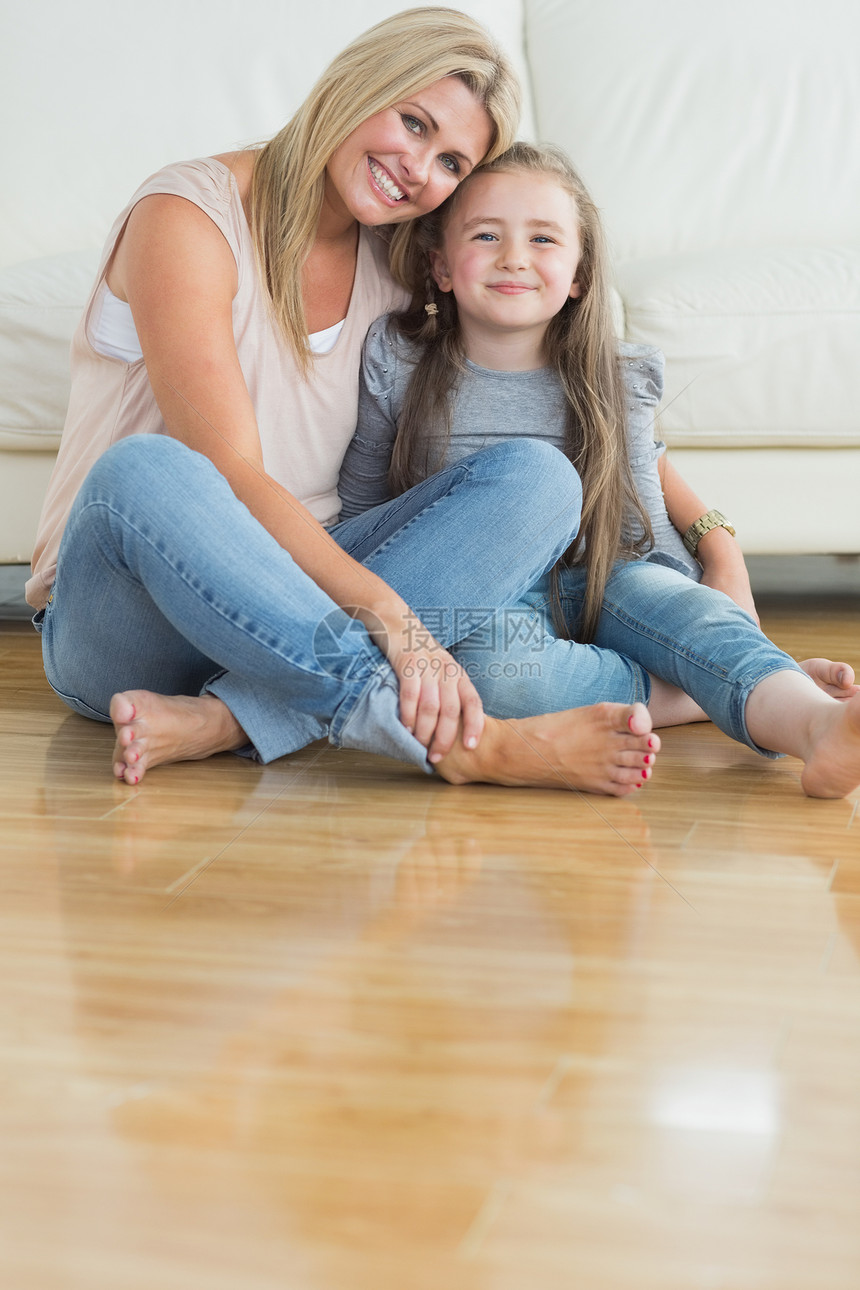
point(580, 344)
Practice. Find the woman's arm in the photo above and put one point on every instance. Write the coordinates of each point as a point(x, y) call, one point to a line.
point(720, 556)
point(177, 273)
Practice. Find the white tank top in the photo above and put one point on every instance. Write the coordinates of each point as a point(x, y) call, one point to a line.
point(112, 332)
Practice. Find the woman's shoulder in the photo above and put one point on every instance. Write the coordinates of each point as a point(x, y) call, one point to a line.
point(213, 182)
point(241, 166)
point(209, 221)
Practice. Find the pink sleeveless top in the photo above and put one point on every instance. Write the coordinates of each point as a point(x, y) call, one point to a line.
point(305, 426)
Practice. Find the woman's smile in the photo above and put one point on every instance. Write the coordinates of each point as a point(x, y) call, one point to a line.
point(385, 182)
point(405, 160)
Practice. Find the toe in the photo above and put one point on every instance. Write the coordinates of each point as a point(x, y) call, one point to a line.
point(632, 776)
point(122, 710)
point(638, 720)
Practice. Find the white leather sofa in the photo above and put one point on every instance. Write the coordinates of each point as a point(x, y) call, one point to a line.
point(720, 141)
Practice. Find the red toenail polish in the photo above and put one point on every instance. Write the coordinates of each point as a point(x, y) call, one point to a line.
point(133, 712)
point(650, 743)
point(630, 722)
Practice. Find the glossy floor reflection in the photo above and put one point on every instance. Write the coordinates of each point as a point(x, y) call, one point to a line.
point(330, 1025)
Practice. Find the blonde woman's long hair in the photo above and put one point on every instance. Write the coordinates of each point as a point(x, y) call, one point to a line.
point(395, 58)
point(580, 344)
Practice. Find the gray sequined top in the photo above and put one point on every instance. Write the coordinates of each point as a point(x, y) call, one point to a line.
point(490, 406)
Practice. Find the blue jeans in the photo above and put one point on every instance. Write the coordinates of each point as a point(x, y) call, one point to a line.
point(654, 620)
point(166, 582)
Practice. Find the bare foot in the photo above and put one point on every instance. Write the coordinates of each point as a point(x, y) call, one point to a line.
point(155, 728)
point(606, 748)
point(835, 679)
point(833, 768)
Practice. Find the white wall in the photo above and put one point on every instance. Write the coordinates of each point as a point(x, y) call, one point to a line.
point(97, 94)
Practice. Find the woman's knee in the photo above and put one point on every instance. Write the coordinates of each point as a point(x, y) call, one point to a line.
point(142, 466)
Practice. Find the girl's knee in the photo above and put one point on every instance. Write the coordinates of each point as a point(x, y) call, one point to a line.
point(541, 470)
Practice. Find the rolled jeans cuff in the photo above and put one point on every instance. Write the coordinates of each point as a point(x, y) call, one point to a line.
point(736, 724)
point(372, 724)
point(369, 722)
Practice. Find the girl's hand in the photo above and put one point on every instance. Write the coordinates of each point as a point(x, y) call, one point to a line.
point(435, 696)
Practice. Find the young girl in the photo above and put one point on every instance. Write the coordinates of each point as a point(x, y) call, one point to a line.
point(510, 333)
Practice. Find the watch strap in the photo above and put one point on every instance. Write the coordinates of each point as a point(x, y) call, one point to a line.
point(710, 520)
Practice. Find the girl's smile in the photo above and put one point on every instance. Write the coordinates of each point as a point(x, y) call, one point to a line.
point(510, 251)
point(510, 288)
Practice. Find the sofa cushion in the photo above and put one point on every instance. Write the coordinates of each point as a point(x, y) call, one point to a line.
point(41, 302)
point(760, 345)
point(705, 125)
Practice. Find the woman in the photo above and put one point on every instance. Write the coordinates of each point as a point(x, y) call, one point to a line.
point(183, 548)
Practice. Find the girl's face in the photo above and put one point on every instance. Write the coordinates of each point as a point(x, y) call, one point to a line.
point(407, 159)
point(510, 252)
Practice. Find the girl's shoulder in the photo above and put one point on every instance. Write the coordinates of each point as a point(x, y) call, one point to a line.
point(643, 368)
point(387, 351)
point(384, 335)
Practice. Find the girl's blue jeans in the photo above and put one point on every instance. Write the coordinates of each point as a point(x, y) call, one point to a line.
point(166, 582)
point(655, 620)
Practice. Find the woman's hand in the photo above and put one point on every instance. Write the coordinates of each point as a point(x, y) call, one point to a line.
point(436, 695)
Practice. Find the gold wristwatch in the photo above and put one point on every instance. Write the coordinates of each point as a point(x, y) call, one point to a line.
point(695, 533)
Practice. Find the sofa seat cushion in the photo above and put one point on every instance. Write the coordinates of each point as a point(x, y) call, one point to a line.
point(760, 345)
point(41, 302)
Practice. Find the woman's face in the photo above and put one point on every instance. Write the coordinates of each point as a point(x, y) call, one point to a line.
point(407, 159)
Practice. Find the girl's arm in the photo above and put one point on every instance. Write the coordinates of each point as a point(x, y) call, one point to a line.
point(363, 478)
point(178, 275)
point(718, 552)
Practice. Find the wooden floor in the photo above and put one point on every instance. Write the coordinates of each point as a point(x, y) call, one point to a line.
point(331, 1025)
